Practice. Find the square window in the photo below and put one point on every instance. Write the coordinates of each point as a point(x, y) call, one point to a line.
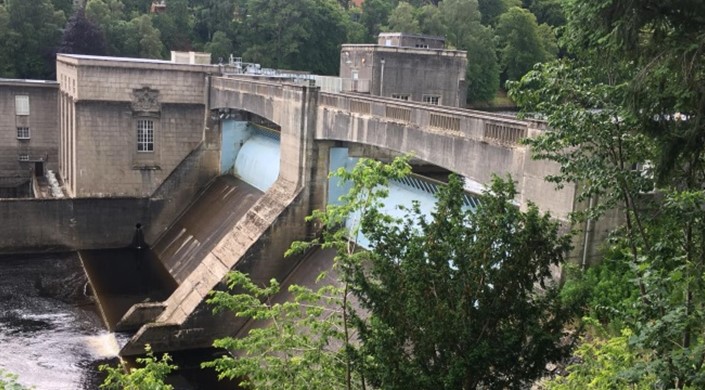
point(432, 99)
point(23, 133)
point(145, 135)
point(21, 105)
point(23, 157)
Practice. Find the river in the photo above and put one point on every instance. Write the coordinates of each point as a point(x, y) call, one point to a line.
point(50, 333)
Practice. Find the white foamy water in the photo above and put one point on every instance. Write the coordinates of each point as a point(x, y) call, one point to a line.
point(49, 336)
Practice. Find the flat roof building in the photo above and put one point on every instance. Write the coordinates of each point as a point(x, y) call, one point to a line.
point(407, 67)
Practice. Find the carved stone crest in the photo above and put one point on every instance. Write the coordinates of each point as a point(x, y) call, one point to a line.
point(145, 100)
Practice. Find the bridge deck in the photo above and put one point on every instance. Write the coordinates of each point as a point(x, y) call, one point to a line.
point(202, 226)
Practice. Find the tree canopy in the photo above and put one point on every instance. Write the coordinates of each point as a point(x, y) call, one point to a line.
point(626, 110)
point(301, 35)
point(463, 299)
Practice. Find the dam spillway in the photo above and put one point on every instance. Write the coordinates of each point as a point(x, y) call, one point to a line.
point(226, 200)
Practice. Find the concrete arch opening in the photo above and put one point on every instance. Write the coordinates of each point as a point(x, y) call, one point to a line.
point(250, 147)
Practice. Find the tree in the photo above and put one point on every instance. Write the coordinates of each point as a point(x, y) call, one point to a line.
point(294, 345)
point(461, 19)
point(64, 5)
point(463, 30)
point(299, 34)
point(482, 74)
point(454, 302)
point(8, 38)
point(603, 361)
point(521, 42)
point(617, 106)
point(149, 377)
point(430, 20)
point(144, 37)
point(81, 36)
point(220, 47)
point(491, 10)
point(549, 12)
point(402, 19)
point(36, 29)
point(175, 25)
point(109, 16)
point(307, 342)
point(320, 53)
point(374, 15)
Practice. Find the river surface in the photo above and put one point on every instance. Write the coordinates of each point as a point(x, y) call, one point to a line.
point(50, 333)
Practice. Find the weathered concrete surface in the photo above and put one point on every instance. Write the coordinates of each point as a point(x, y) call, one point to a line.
point(31, 225)
point(103, 98)
point(203, 225)
point(474, 144)
point(471, 143)
point(42, 122)
point(407, 71)
point(257, 241)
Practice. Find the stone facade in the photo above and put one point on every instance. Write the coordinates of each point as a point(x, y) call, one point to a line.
point(432, 76)
point(127, 123)
point(28, 127)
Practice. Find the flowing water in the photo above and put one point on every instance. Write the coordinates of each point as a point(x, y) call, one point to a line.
point(50, 333)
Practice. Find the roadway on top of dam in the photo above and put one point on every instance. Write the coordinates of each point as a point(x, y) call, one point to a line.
point(474, 144)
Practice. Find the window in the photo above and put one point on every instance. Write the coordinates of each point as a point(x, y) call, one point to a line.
point(432, 99)
point(23, 157)
point(145, 135)
point(23, 133)
point(421, 46)
point(400, 96)
point(22, 105)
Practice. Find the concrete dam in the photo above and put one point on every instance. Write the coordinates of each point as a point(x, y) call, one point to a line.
point(220, 172)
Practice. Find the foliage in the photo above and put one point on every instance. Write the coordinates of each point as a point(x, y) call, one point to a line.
point(664, 41)
point(455, 302)
point(298, 34)
point(604, 363)
point(34, 27)
point(149, 377)
point(8, 381)
point(220, 47)
point(82, 36)
point(632, 97)
point(374, 16)
point(306, 342)
point(607, 292)
point(482, 75)
point(175, 25)
point(549, 12)
point(294, 344)
point(492, 9)
point(430, 20)
point(461, 19)
point(402, 19)
point(521, 42)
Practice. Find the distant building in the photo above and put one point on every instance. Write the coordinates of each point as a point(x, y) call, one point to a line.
point(157, 6)
point(406, 67)
point(29, 135)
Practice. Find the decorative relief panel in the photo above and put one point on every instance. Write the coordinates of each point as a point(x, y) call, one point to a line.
point(145, 101)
